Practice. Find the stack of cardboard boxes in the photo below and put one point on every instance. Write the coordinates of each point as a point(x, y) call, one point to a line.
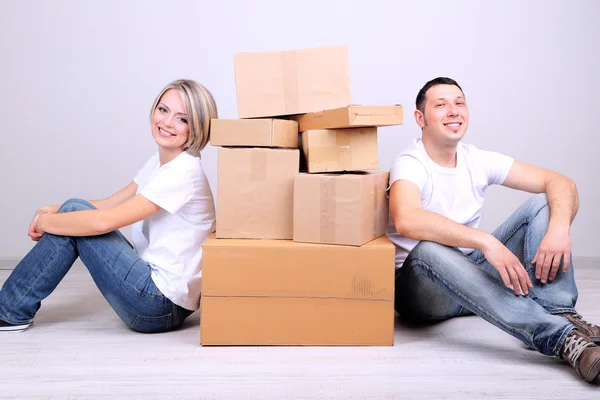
point(315, 276)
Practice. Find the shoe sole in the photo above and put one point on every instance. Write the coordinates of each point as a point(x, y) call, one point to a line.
point(14, 328)
point(594, 371)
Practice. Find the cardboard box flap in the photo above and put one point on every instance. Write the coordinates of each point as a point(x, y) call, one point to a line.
point(351, 116)
point(254, 133)
point(285, 269)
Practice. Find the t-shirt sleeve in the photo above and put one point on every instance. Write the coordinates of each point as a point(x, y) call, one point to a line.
point(169, 189)
point(497, 166)
point(143, 172)
point(408, 168)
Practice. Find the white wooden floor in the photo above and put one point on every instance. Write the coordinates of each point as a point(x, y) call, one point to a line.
point(78, 348)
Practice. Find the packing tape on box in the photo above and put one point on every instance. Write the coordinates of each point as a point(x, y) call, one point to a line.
point(340, 153)
point(344, 149)
point(379, 200)
point(290, 79)
point(327, 210)
point(258, 165)
point(378, 193)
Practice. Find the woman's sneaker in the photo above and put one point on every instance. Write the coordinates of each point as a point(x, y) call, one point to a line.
point(6, 327)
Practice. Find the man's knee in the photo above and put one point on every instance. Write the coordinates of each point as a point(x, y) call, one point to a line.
point(426, 250)
point(538, 204)
point(76, 205)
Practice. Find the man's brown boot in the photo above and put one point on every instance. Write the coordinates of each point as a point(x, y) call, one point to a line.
point(590, 330)
point(582, 354)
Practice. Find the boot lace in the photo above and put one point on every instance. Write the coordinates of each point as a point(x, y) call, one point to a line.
point(583, 321)
point(574, 346)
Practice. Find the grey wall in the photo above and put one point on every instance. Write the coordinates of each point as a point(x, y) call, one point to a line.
point(78, 78)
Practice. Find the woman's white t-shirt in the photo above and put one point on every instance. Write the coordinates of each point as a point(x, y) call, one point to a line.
point(171, 239)
point(456, 193)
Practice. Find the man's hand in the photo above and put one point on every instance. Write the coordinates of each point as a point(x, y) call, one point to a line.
point(555, 247)
point(508, 265)
point(34, 233)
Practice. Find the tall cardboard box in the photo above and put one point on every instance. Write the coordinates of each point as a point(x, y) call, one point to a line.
point(255, 190)
point(345, 209)
point(254, 133)
point(331, 150)
point(351, 116)
point(278, 292)
point(291, 82)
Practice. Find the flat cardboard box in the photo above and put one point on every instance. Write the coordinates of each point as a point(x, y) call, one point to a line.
point(351, 116)
point(255, 190)
point(254, 133)
point(330, 150)
point(288, 82)
point(278, 292)
point(345, 209)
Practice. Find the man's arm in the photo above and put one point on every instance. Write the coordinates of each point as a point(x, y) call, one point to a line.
point(415, 223)
point(563, 201)
point(560, 191)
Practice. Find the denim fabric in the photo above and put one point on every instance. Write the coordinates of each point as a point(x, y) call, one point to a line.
point(437, 282)
point(123, 278)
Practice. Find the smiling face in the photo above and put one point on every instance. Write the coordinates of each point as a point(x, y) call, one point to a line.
point(445, 115)
point(170, 122)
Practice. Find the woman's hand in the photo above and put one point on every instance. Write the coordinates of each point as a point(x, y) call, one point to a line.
point(34, 233)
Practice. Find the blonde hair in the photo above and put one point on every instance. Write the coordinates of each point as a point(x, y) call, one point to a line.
point(200, 108)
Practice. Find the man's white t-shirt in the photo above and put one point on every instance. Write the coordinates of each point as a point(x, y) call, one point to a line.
point(171, 239)
point(456, 193)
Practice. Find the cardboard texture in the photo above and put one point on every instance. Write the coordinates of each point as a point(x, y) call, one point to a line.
point(254, 133)
point(288, 82)
point(350, 117)
point(329, 150)
point(278, 292)
point(255, 189)
point(345, 209)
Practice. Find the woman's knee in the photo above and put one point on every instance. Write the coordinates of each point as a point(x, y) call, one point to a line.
point(75, 204)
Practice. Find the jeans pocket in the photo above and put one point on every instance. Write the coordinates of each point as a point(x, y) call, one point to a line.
point(146, 324)
point(147, 287)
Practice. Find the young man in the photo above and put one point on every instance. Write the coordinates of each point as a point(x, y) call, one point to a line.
point(519, 278)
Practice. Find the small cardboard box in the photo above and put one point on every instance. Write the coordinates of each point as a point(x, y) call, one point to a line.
point(288, 82)
point(330, 150)
point(254, 133)
point(255, 190)
point(350, 117)
point(344, 209)
point(278, 292)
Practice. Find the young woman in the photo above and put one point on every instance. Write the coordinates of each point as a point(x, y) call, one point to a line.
point(154, 285)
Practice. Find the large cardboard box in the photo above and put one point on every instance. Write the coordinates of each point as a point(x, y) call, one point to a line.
point(254, 133)
point(330, 150)
point(278, 292)
point(351, 116)
point(345, 209)
point(255, 190)
point(291, 82)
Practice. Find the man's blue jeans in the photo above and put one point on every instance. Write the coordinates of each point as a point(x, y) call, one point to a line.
point(123, 278)
point(437, 282)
